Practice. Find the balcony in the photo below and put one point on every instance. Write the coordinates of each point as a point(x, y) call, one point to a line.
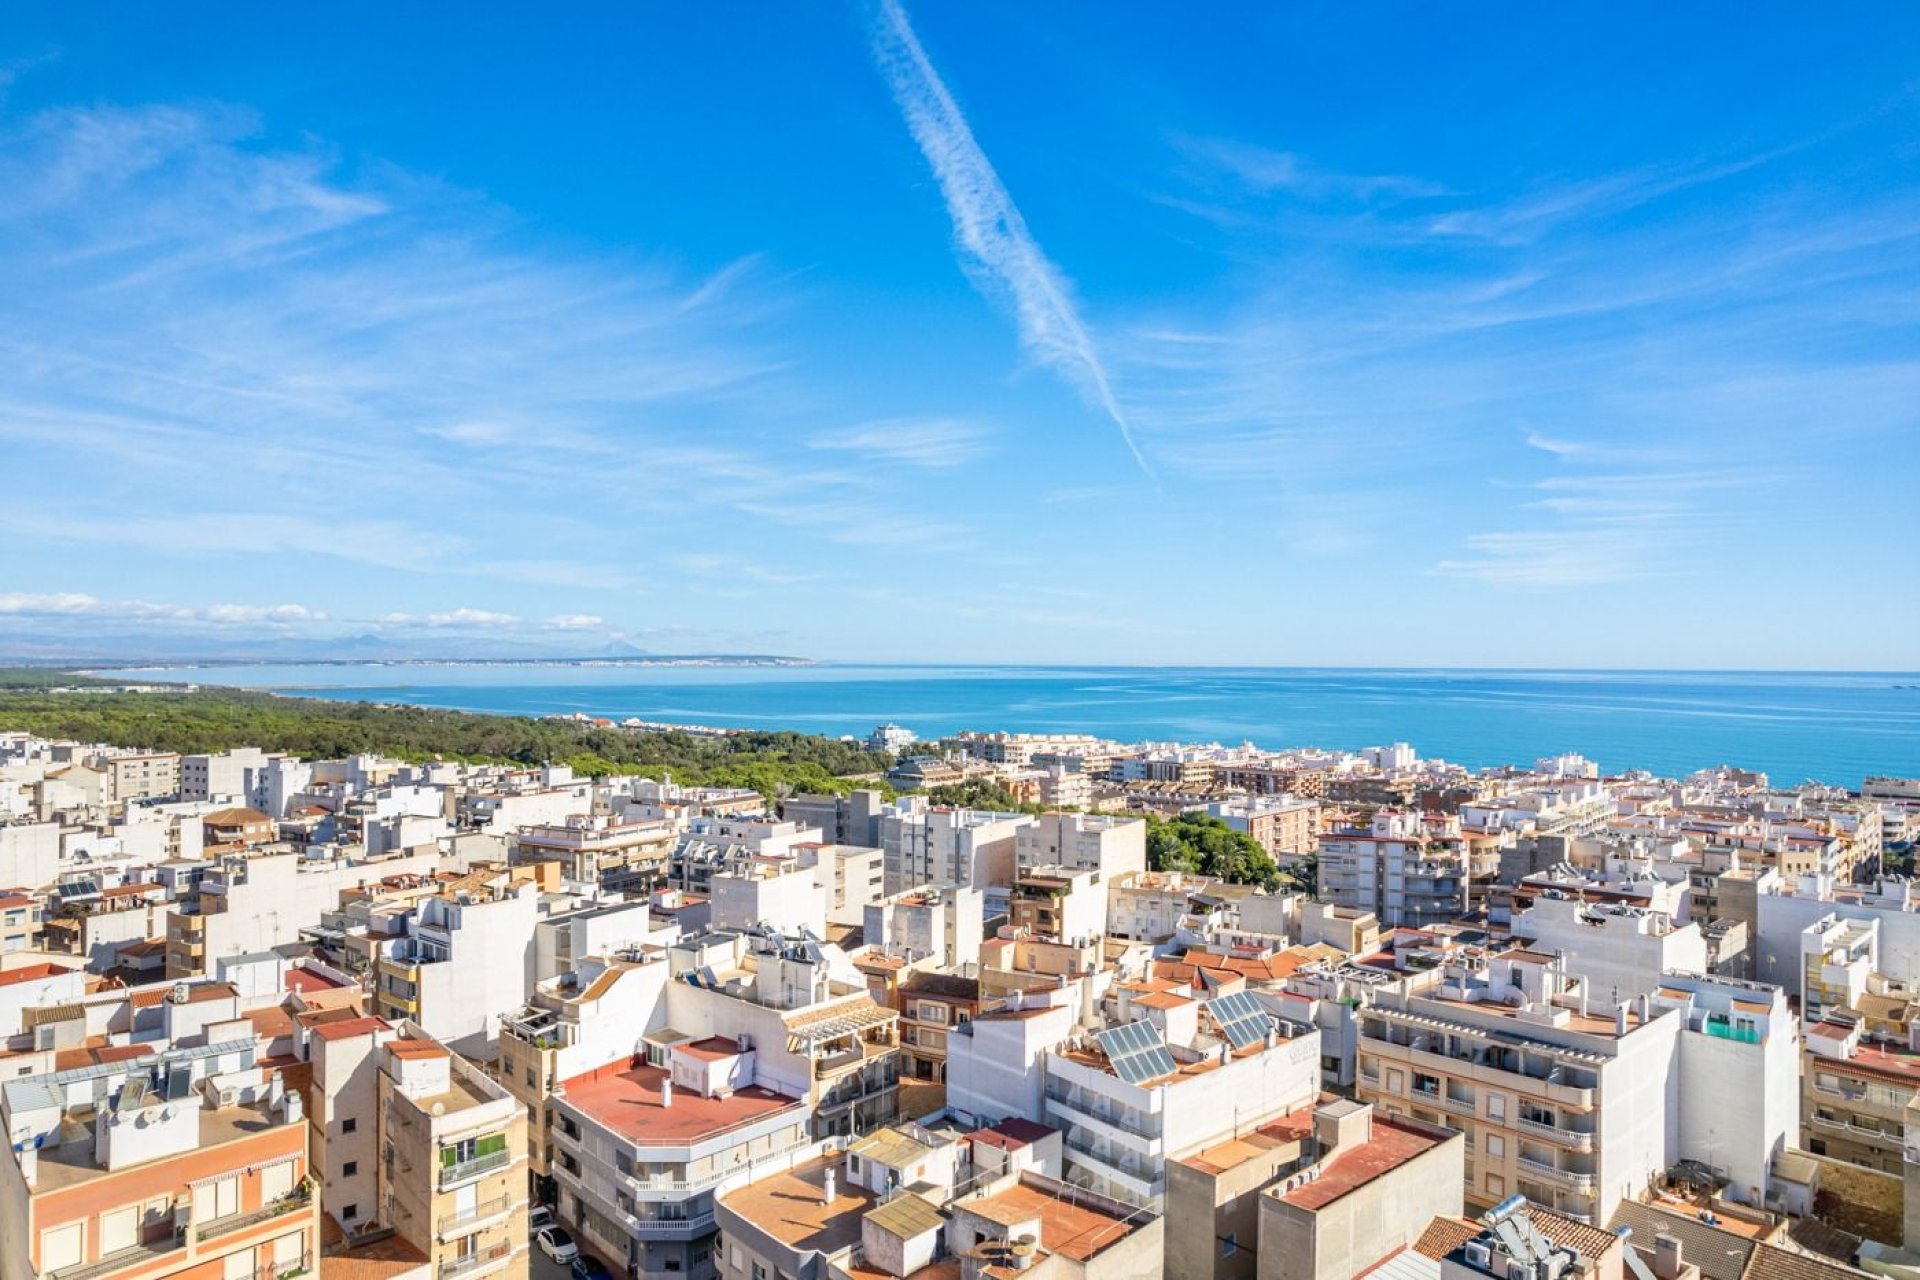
point(1109, 1128)
point(1572, 1181)
point(463, 1170)
point(218, 1227)
point(138, 1256)
point(670, 1228)
point(486, 1259)
point(1571, 1139)
point(1858, 1132)
point(468, 1220)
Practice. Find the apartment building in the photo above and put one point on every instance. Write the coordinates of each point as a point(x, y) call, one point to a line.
point(1621, 950)
point(453, 1161)
point(1564, 1098)
point(1370, 1189)
point(1323, 1191)
point(1126, 1102)
point(243, 904)
point(851, 819)
point(941, 845)
point(598, 850)
point(466, 958)
point(1151, 906)
point(642, 1148)
point(942, 925)
point(574, 1023)
point(137, 775)
point(804, 1009)
point(932, 1005)
point(1059, 904)
point(1406, 871)
point(146, 1165)
point(1108, 844)
point(1837, 958)
point(1856, 1090)
point(1287, 827)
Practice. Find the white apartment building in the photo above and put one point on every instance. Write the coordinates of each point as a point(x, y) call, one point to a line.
point(943, 846)
point(1107, 843)
point(1575, 1103)
point(466, 959)
point(783, 894)
point(1621, 950)
point(942, 924)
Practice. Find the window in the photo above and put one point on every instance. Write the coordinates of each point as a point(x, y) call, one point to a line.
point(60, 1247)
point(671, 1264)
point(1496, 1106)
point(350, 1168)
point(530, 1077)
point(1393, 1080)
point(239, 1265)
point(351, 1211)
point(349, 1124)
point(1229, 1245)
point(1496, 1146)
point(1496, 1185)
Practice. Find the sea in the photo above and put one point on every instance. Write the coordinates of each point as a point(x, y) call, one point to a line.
point(1834, 727)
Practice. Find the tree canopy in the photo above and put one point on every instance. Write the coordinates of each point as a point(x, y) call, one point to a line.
point(1204, 845)
point(206, 720)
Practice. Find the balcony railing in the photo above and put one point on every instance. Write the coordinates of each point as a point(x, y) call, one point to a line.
point(671, 1228)
point(1569, 1138)
point(1554, 1174)
point(461, 1170)
point(138, 1255)
point(491, 1256)
point(478, 1213)
point(241, 1221)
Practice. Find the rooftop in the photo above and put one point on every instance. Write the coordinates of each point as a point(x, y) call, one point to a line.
point(792, 1208)
point(1068, 1227)
point(1349, 1168)
point(626, 1100)
point(1236, 1151)
point(72, 1162)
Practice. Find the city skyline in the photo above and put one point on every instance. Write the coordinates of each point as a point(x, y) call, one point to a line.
point(1025, 326)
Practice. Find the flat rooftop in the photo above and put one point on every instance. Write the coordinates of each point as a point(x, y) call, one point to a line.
point(791, 1207)
point(1074, 1230)
point(71, 1163)
point(627, 1102)
point(1293, 1127)
point(1390, 1146)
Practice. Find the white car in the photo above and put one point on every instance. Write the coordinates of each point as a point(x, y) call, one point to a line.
point(556, 1244)
point(539, 1217)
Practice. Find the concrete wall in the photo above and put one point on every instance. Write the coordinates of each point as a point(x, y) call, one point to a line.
point(1355, 1231)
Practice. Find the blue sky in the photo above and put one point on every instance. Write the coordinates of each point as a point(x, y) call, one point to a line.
point(1526, 335)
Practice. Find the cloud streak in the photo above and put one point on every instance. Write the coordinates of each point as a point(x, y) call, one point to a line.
point(1000, 253)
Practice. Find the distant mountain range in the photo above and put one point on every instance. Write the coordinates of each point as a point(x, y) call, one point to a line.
point(107, 651)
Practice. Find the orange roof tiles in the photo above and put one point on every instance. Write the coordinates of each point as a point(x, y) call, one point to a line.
point(1072, 1230)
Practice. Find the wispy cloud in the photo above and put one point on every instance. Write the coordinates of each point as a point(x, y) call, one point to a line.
point(932, 443)
point(464, 619)
point(74, 604)
point(1264, 171)
point(999, 251)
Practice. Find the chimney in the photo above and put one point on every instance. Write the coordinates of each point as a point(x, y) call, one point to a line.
point(1620, 1019)
point(1666, 1256)
point(827, 1188)
point(666, 1093)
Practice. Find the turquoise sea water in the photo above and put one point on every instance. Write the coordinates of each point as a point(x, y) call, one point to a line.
point(1834, 726)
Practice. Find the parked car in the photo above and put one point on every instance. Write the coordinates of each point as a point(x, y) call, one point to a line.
point(556, 1244)
point(587, 1267)
point(539, 1217)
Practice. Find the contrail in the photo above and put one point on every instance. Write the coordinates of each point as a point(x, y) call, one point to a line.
point(997, 249)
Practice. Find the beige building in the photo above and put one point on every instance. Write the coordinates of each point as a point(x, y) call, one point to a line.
point(1375, 1182)
point(453, 1162)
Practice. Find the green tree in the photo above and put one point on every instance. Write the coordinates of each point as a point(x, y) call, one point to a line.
point(1204, 845)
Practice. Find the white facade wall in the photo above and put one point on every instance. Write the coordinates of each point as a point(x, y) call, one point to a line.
point(29, 854)
point(789, 900)
point(1621, 954)
point(994, 1068)
point(1783, 919)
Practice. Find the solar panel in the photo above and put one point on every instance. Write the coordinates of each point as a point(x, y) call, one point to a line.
point(1136, 1051)
point(1241, 1019)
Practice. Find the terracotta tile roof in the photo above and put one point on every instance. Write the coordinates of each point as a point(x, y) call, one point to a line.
point(329, 1024)
point(1443, 1235)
